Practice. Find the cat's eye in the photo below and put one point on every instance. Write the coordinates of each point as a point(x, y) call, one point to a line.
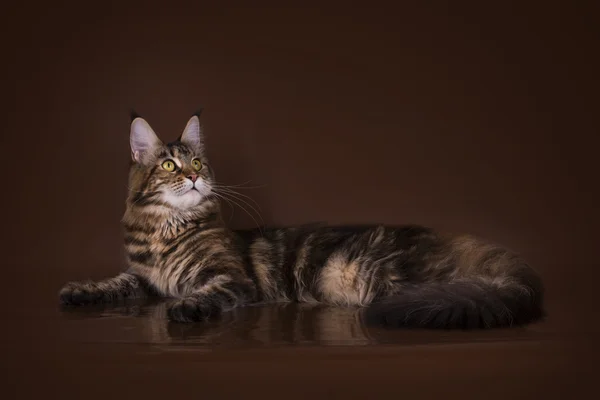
point(197, 164)
point(168, 165)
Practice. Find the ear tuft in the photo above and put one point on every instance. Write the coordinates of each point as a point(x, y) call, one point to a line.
point(133, 115)
point(144, 142)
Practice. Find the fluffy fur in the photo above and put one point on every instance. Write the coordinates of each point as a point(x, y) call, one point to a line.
point(178, 246)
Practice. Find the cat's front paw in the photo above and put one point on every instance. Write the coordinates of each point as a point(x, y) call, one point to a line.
point(190, 310)
point(79, 293)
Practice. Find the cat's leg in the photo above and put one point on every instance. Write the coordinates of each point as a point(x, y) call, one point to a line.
point(121, 287)
point(220, 293)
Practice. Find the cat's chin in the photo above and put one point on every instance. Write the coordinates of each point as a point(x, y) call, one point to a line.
point(190, 199)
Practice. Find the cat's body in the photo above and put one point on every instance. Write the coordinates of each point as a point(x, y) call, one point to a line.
point(178, 246)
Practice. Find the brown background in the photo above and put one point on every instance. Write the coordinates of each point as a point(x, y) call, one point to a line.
point(464, 118)
point(461, 118)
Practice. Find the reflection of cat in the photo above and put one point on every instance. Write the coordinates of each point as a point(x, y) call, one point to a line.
point(259, 325)
point(290, 323)
point(178, 246)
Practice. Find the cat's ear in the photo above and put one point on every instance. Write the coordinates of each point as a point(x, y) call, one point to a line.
point(192, 134)
point(144, 142)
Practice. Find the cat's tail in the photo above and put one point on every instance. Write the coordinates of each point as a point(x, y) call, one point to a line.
point(492, 288)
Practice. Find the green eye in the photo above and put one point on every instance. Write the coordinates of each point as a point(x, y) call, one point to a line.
point(196, 164)
point(168, 166)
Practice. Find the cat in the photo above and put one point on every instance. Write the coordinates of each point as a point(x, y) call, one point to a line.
point(178, 246)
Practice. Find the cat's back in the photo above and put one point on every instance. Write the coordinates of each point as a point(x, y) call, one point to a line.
point(286, 261)
point(322, 235)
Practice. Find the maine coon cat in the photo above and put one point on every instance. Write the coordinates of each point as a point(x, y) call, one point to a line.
point(178, 246)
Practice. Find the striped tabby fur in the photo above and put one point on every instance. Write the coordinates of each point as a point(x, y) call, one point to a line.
point(178, 246)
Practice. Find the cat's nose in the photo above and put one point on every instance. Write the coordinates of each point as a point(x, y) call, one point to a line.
point(192, 177)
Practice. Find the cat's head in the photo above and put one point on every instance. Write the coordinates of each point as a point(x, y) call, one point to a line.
point(176, 174)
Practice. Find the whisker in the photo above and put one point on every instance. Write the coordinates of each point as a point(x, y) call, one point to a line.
point(231, 191)
point(228, 204)
point(237, 201)
point(246, 203)
point(221, 195)
point(239, 186)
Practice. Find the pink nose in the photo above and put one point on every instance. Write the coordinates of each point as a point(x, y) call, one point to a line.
point(193, 178)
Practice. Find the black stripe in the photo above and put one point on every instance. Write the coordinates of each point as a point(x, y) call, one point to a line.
point(130, 228)
point(163, 154)
point(140, 257)
point(135, 241)
point(170, 250)
point(182, 238)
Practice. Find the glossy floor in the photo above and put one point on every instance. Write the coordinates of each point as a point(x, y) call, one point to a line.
point(284, 351)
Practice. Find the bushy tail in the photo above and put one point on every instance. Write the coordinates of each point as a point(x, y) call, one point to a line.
point(473, 303)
